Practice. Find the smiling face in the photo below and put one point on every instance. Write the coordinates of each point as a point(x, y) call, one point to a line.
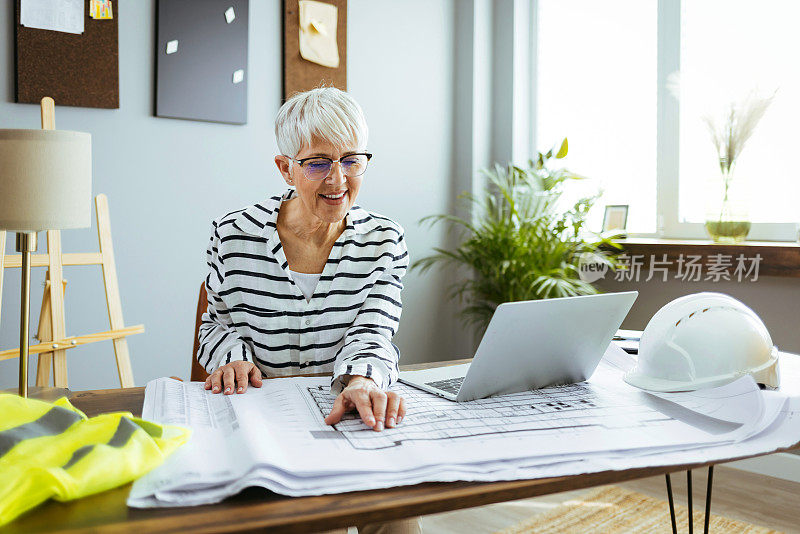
point(327, 200)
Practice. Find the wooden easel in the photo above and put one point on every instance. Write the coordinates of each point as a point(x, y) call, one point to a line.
point(53, 343)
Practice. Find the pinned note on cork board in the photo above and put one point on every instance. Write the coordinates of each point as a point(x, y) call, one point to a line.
point(314, 45)
point(318, 33)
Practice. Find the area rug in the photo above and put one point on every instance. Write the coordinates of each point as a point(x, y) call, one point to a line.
point(611, 510)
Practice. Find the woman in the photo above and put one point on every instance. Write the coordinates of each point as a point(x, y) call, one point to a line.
point(308, 282)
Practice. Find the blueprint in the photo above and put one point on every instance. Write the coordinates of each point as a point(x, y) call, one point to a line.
point(551, 414)
point(192, 407)
point(275, 436)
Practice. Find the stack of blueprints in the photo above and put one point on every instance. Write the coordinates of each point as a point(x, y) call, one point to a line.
point(275, 437)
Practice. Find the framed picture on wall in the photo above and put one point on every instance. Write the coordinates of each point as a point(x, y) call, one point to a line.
point(615, 218)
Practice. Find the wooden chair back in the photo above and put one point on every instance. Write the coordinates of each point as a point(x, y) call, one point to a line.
point(198, 373)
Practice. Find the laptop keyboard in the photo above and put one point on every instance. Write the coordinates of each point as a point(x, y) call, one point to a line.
point(451, 385)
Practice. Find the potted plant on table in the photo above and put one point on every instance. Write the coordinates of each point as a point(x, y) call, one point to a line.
point(522, 243)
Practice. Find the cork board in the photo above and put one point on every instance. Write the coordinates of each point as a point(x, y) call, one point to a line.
point(299, 74)
point(74, 69)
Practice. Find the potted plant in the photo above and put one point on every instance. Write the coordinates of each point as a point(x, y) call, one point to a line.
point(522, 243)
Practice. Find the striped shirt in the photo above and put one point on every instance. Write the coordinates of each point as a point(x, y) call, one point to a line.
point(257, 313)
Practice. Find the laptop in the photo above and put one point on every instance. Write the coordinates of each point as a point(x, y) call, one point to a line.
point(532, 344)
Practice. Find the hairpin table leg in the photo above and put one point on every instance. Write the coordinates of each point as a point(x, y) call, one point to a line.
point(671, 505)
point(689, 498)
point(708, 497)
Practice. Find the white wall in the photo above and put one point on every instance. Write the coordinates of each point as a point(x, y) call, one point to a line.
point(166, 179)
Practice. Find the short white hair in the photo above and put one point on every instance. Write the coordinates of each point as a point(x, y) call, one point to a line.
point(324, 113)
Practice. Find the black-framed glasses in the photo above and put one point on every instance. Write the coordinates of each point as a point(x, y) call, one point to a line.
point(318, 167)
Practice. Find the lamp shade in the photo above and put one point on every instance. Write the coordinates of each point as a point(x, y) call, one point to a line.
point(45, 180)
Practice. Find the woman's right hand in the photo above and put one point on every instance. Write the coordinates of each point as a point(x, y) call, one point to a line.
point(234, 377)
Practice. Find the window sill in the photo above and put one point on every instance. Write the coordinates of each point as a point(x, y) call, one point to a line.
point(777, 258)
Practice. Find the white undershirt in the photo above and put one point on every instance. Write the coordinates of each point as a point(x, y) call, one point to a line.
point(306, 282)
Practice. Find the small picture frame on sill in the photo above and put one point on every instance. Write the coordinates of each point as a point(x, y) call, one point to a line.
point(615, 218)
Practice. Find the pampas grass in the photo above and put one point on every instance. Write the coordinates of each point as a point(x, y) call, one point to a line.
point(734, 124)
point(737, 124)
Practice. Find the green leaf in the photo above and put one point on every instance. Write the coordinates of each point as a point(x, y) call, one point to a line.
point(562, 152)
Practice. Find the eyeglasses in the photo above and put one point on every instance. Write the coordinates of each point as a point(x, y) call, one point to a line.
point(318, 168)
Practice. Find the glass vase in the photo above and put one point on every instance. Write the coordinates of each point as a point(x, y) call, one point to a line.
point(727, 217)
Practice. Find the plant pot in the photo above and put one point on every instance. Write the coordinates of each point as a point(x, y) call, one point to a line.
point(727, 218)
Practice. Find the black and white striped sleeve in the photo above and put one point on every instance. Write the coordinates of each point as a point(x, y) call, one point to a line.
point(368, 349)
point(220, 344)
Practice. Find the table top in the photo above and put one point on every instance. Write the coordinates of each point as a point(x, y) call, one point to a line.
point(256, 508)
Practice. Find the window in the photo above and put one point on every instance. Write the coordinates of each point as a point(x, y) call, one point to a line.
point(596, 85)
point(728, 48)
point(601, 80)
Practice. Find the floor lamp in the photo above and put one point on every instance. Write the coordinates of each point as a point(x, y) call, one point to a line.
point(45, 184)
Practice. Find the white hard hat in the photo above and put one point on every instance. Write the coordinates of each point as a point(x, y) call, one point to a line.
point(703, 340)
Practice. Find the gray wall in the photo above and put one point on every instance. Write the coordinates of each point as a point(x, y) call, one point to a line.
point(166, 179)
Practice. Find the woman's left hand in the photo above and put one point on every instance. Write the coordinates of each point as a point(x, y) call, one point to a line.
point(376, 407)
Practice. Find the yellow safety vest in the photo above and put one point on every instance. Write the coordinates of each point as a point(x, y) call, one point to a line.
point(53, 450)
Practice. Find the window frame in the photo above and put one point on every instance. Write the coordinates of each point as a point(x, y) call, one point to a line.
point(668, 51)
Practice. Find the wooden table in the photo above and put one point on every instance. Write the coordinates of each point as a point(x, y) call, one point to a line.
point(256, 509)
